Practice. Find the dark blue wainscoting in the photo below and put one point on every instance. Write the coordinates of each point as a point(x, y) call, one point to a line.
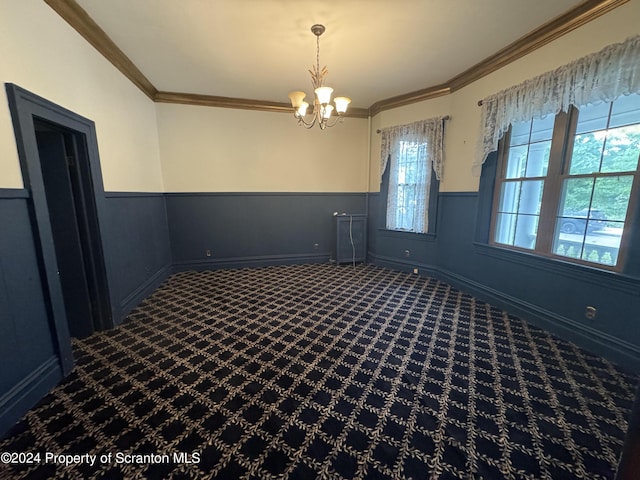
point(548, 293)
point(223, 230)
point(29, 365)
point(137, 247)
point(399, 250)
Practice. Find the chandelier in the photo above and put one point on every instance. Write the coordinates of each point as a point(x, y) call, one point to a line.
point(322, 108)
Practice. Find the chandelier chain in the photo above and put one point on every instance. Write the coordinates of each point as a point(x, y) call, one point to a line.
point(319, 80)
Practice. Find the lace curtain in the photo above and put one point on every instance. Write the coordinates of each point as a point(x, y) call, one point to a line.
point(600, 77)
point(408, 195)
point(418, 147)
point(430, 132)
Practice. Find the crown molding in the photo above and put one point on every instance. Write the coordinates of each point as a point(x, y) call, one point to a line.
point(580, 15)
point(583, 13)
point(80, 20)
point(408, 98)
point(546, 33)
point(223, 102)
point(241, 103)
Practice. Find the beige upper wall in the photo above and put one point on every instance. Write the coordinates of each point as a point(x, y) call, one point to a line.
point(462, 130)
point(40, 52)
point(205, 149)
point(214, 149)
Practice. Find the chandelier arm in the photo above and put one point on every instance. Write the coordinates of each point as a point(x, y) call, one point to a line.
point(303, 123)
point(336, 120)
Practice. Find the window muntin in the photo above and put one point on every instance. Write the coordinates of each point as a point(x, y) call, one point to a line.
point(409, 189)
point(520, 197)
point(596, 191)
point(579, 211)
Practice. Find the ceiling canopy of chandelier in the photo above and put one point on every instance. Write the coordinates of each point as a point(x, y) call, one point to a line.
point(322, 109)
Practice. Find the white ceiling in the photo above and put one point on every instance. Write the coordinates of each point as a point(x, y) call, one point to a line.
point(262, 49)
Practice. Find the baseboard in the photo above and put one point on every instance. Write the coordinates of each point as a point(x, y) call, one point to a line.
point(615, 349)
point(17, 401)
point(404, 265)
point(143, 291)
point(250, 262)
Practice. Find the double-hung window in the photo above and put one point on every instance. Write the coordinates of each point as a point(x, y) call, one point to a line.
point(567, 185)
point(408, 194)
point(414, 153)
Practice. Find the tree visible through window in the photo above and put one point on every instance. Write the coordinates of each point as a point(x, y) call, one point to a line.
point(565, 183)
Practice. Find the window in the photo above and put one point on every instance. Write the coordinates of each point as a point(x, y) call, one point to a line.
point(408, 195)
point(566, 185)
point(415, 154)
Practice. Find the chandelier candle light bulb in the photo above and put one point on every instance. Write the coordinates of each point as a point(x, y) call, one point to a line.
point(302, 109)
point(322, 108)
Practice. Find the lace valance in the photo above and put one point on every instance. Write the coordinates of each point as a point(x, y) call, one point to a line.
point(430, 131)
point(600, 77)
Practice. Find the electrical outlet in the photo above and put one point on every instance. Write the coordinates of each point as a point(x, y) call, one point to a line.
point(590, 312)
point(316, 246)
point(208, 253)
point(415, 270)
point(407, 253)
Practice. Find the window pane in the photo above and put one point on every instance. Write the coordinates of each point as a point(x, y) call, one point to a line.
point(517, 161)
point(593, 117)
point(622, 149)
point(626, 110)
point(531, 197)
point(526, 229)
point(519, 210)
point(516, 230)
point(528, 160)
point(505, 228)
point(509, 197)
point(576, 196)
point(520, 133)
point(597, 246)
point(605, 253)
point(587, 152)
point(521, 197)
point(542, 129)
point(591, 220)
point(604, 144)
point(538, 159)
point(611, 197)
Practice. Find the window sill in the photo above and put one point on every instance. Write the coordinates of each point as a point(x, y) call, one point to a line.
point(428, 237)
point(601, 277)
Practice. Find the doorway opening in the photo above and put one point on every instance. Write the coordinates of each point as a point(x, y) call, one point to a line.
point(58, 153)
point(72, 214)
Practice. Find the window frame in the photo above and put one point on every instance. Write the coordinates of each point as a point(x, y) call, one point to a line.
point(560, 156)
point(434, 191)
point(422, 183)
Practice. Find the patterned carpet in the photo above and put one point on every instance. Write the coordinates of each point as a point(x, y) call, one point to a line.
point(319, 371)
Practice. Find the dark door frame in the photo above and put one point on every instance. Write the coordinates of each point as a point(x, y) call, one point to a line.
point(26, 108)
